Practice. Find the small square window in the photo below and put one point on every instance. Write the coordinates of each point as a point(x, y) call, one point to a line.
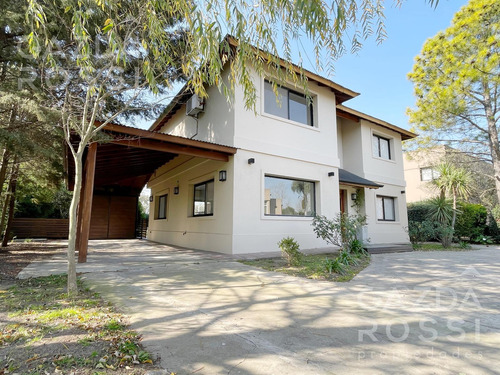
point(428, 174)
point(161, 207)
point(203, 203)
point(386, 208)
point(381, 147)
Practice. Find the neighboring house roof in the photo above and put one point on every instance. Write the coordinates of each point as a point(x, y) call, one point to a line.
point(354, 115)
point(341, 93)
point(348, 178)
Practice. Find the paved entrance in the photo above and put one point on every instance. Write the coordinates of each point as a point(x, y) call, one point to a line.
point(203, 313)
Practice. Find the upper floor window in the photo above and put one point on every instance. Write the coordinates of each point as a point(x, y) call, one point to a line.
point(287, 197)
point(291, 105)
point(428, 174)
point(381, 147)
point(204, 199)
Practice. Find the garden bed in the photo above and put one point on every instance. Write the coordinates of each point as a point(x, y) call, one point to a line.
point(311, 267)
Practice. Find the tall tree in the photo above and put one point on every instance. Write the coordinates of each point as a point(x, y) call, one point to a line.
point(28, 138)
point(456, 79)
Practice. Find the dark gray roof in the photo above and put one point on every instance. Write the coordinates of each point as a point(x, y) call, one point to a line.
point(348, 178)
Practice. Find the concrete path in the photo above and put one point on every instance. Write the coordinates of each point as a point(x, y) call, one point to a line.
point(203, 313)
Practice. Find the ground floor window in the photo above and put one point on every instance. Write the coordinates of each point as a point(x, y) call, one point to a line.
point(288, 197)
point(386, 208)
point(204, 199)
point(161, 207)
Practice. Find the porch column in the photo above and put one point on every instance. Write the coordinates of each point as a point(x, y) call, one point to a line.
point(85, 206)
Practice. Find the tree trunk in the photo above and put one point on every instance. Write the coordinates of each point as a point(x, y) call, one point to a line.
point(454, 217)
point(72, 286)
point(6, 152)
point(12, 201)
point(3, 168)
point(493, 138)
point(5, 209)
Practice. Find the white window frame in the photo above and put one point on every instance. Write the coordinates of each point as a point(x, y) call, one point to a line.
point(434, 174)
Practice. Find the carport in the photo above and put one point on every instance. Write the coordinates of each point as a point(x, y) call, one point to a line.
point(116, 169)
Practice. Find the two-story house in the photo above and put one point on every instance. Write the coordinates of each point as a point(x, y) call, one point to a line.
point(293, 159)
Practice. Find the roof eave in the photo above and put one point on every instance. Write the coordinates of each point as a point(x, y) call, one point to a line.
point(405, 134)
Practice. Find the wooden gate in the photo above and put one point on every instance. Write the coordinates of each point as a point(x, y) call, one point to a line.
point(113, 217)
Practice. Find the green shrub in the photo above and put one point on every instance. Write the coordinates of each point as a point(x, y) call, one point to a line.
point(492, 227)
point(357, 247)
point(444, 234)
point(484, 240)
point(290, 250)
point(340, 231)
point(418, 212)
point(464, 245)
point(420, 232)
point(440, 210)
point(471, 221)
point(333, 265)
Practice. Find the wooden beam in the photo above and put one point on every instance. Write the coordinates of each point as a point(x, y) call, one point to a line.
point(86, 202)
point(146, 134)
point(347, 116)
point(150, 144)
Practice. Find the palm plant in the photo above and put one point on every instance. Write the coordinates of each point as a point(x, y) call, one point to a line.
point(453, 181)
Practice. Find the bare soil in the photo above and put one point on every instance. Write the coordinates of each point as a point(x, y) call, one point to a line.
point(18, 255)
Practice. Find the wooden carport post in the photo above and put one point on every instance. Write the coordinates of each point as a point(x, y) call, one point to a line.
point(85, 205)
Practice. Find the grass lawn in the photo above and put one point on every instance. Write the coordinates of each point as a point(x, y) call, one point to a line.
point(42, 331)
point(311, 267)
point(438, 247)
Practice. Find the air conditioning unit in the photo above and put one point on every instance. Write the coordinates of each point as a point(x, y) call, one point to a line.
point(194, 105)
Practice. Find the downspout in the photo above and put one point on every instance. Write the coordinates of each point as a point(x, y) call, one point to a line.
point(196, 119)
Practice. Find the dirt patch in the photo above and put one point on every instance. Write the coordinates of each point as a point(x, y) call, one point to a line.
point(18, 255)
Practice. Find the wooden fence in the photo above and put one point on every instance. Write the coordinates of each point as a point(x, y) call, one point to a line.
point(40, 228)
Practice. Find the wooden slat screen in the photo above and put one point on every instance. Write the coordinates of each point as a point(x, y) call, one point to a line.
point(40, 228)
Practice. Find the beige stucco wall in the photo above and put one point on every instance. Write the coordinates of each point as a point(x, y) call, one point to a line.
point(215, 124)
point(255, 232)
point(181, 228)
point(282, 148)
point(418, 190)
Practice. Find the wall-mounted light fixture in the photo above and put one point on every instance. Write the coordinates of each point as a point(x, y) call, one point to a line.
point(403, 192)
point(331, 174)
point(251, 161)
point(151, 198)
point(176, 190)
point(354, 196)
point(222, 175)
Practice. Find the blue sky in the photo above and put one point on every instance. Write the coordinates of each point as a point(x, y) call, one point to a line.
point(378, 71)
